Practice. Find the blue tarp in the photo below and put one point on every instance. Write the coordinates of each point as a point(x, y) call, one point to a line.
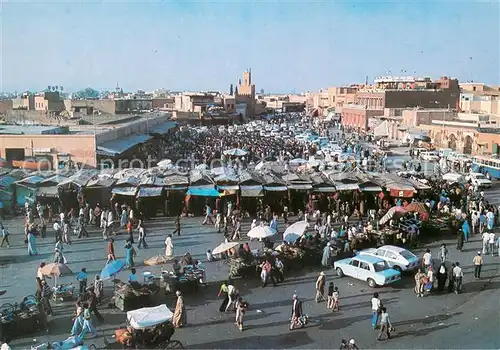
point(6, 181)
point(150, 192)
point(203, 191)
point(32, 180)
point(163, 128)
point(116, 147)
point(124, 191)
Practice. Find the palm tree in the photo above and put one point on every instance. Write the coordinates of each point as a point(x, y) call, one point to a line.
point(49, 88)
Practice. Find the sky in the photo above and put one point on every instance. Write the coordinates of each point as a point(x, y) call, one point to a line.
point(291, 46)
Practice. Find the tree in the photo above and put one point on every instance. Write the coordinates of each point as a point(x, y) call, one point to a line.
point(231, 89)
point(49, 88)
point(262, 91)
point(61, 88)
point(86, 94)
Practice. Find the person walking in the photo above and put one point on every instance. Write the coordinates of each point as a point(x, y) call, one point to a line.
point(385, 324)
point(142, 235)
point(442, 276)
point(177, 226)
point(179, 319)
point(451, 279)
point(427, 259)
point(208, 215)
point(5, 236)
point(111, 251)
point(443, 253)
point(478, 264)
point(98, 289)
point(460, 240)
point(376, 308)
point(296, 315)
point(241, 307)
point(336, 299)
point(320, 287)
point(82, 281)
point(169, 247)
point(486, 238)
point(419, 283)
point(491, 243)
point(92, 304)
point(329, 303)
point(458, 274)
point(129, 254)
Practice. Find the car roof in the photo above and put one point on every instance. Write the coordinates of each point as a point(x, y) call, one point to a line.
point(368, 258)
point(392, 248)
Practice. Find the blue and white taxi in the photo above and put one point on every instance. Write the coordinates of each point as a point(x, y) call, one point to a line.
point(375, 271)
point(399, 258)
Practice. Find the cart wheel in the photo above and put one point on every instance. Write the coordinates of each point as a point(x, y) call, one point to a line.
point(171, 344)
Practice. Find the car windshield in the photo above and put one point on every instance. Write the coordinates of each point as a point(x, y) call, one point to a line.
point(406, 254)
point(479, 176)
point(381, 266)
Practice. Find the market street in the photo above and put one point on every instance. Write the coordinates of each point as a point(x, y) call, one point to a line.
point(449, 320)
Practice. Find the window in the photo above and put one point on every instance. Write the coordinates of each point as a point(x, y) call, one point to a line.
point(364, 265)
point(354, 263)
point(391, 255)
point(381, 266)
point(380, 252)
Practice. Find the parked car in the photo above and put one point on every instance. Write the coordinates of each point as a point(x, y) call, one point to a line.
point(373, 270)
point(429, 156)
point(478, 180)
point(453, 177)
point(398, 258)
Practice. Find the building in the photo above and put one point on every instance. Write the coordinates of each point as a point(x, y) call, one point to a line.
point(49, 101)
point(480, 98)
point(245, 94)
point(408, 92)
point(6, 106)
point(340, 96)
point(357, 116)
point(197, 102)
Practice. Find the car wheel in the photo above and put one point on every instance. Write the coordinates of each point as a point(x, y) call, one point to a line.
point(371, 283)
point(340, 273)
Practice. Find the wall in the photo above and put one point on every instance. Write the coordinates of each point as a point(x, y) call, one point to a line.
point(163, 102)
point(425, 99)
point(5, 106)
point(416, 117)
point(104, 106)
point(486, 140)
point(80, 147)
point(358, 116)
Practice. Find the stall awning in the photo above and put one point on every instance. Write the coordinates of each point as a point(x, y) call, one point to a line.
point(162, 129)
point(275, 188)
point(176, 188)
point(149, 192)
point(49, 191)
point(124, 191)
point(325, 189)
point(117, 147)
point(203, 191)
point(300, 186)
point(252, 191)
point(347, 187)
point(371, 189)
point(228, 187)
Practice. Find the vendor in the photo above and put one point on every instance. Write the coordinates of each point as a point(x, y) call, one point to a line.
point(176, 267)
point(187, 259)
point(132, 278)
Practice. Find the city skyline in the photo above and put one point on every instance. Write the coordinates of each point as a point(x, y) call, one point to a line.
point(290, 46)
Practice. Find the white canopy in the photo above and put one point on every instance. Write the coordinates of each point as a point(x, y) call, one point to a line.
point(261, 232)
point(295, 231)
point(221, 248)
point(149, 316)
point(381, 130)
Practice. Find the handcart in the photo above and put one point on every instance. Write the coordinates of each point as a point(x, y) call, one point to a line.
point(63, 292)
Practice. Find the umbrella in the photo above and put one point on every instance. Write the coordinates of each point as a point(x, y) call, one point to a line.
point(390, 214)
point(416, 206)
point(55, 269)
point(156, 260)
point(221, 248)
point(236, 152)
point(3, 162)
point(298, 161)
point(261, 232)
point(112, 269)
point(295, 231)
point(164, 163)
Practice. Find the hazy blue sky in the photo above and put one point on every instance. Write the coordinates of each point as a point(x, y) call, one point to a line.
point(299, 45)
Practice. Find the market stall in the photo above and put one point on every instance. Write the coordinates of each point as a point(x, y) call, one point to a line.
point(20, 319)
point(187, 280)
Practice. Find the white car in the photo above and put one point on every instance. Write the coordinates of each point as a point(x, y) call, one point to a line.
point(478, 180)
point(373, 270)
point(429, 156)
point(398, 258)
point(453, 177)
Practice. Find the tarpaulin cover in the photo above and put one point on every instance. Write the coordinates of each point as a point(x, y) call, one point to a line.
point(275, 188)
point(300, 187)
point(164, 128)
point(346, 187)
point(124, 191)
point(149, 192)
point(203, 191)
point(118, 146)
point(328, 189)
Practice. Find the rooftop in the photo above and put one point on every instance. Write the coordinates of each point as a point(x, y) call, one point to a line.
point(32, 130)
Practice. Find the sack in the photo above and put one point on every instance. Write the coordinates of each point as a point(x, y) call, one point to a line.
point(64, 260)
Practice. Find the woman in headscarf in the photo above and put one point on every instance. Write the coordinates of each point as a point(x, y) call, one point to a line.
point(460, 240)
point(32, 243)
point(442, 276)
point(419, 283)
point(325, 261)
point(320, 287)
point(98, 289)
point(169, 247)
point(123, 218)
point(179, 319)
point(129, 254)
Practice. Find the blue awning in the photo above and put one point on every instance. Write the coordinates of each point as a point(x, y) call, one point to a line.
point(203, 191)
point(149, 192)
point(118, 146)
point(275, 188)
point(124, 191)
point(164, 128)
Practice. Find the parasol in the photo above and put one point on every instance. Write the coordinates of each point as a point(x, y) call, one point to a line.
point(223, 247)
point(112, 269)
point(298, 161)
point(261, 232)
point(416, 206)
point(295, 231)
point(390, 214)
point(164, 163)
point(156, 260)
point(238, 152)
point(55, 269)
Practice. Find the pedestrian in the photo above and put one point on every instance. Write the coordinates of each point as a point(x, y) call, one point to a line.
point(427, 259)
point(208, 215)
point(478, 264)
point(237, 230)
point(223, 291)
point(77, 327)
point(296, 314)
point(279, 267)
point(352, 345)
point(46, 295)
point(111, 251)
point(32, 243)
point(329, 303)
point(177, 226)
point(179, 319)
point(98, 289)
point(92, 305)
point(458, 274)
point(218, 220)
point(485, 239)
point(376, 308)
point(336, 299)
point(385, 324)
point(320, 287)
point(88, 326)
point(443, 252)
point(130, 230)
point(129, 254)
point(491, 243)
point(460, 240)
point(5, 236)
point(82, 280)
point(430, 279)
point(325, 260)
point(451, 279)
point(142, 235)
point(442, 276)
point(169, 247)
point(241, 307)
